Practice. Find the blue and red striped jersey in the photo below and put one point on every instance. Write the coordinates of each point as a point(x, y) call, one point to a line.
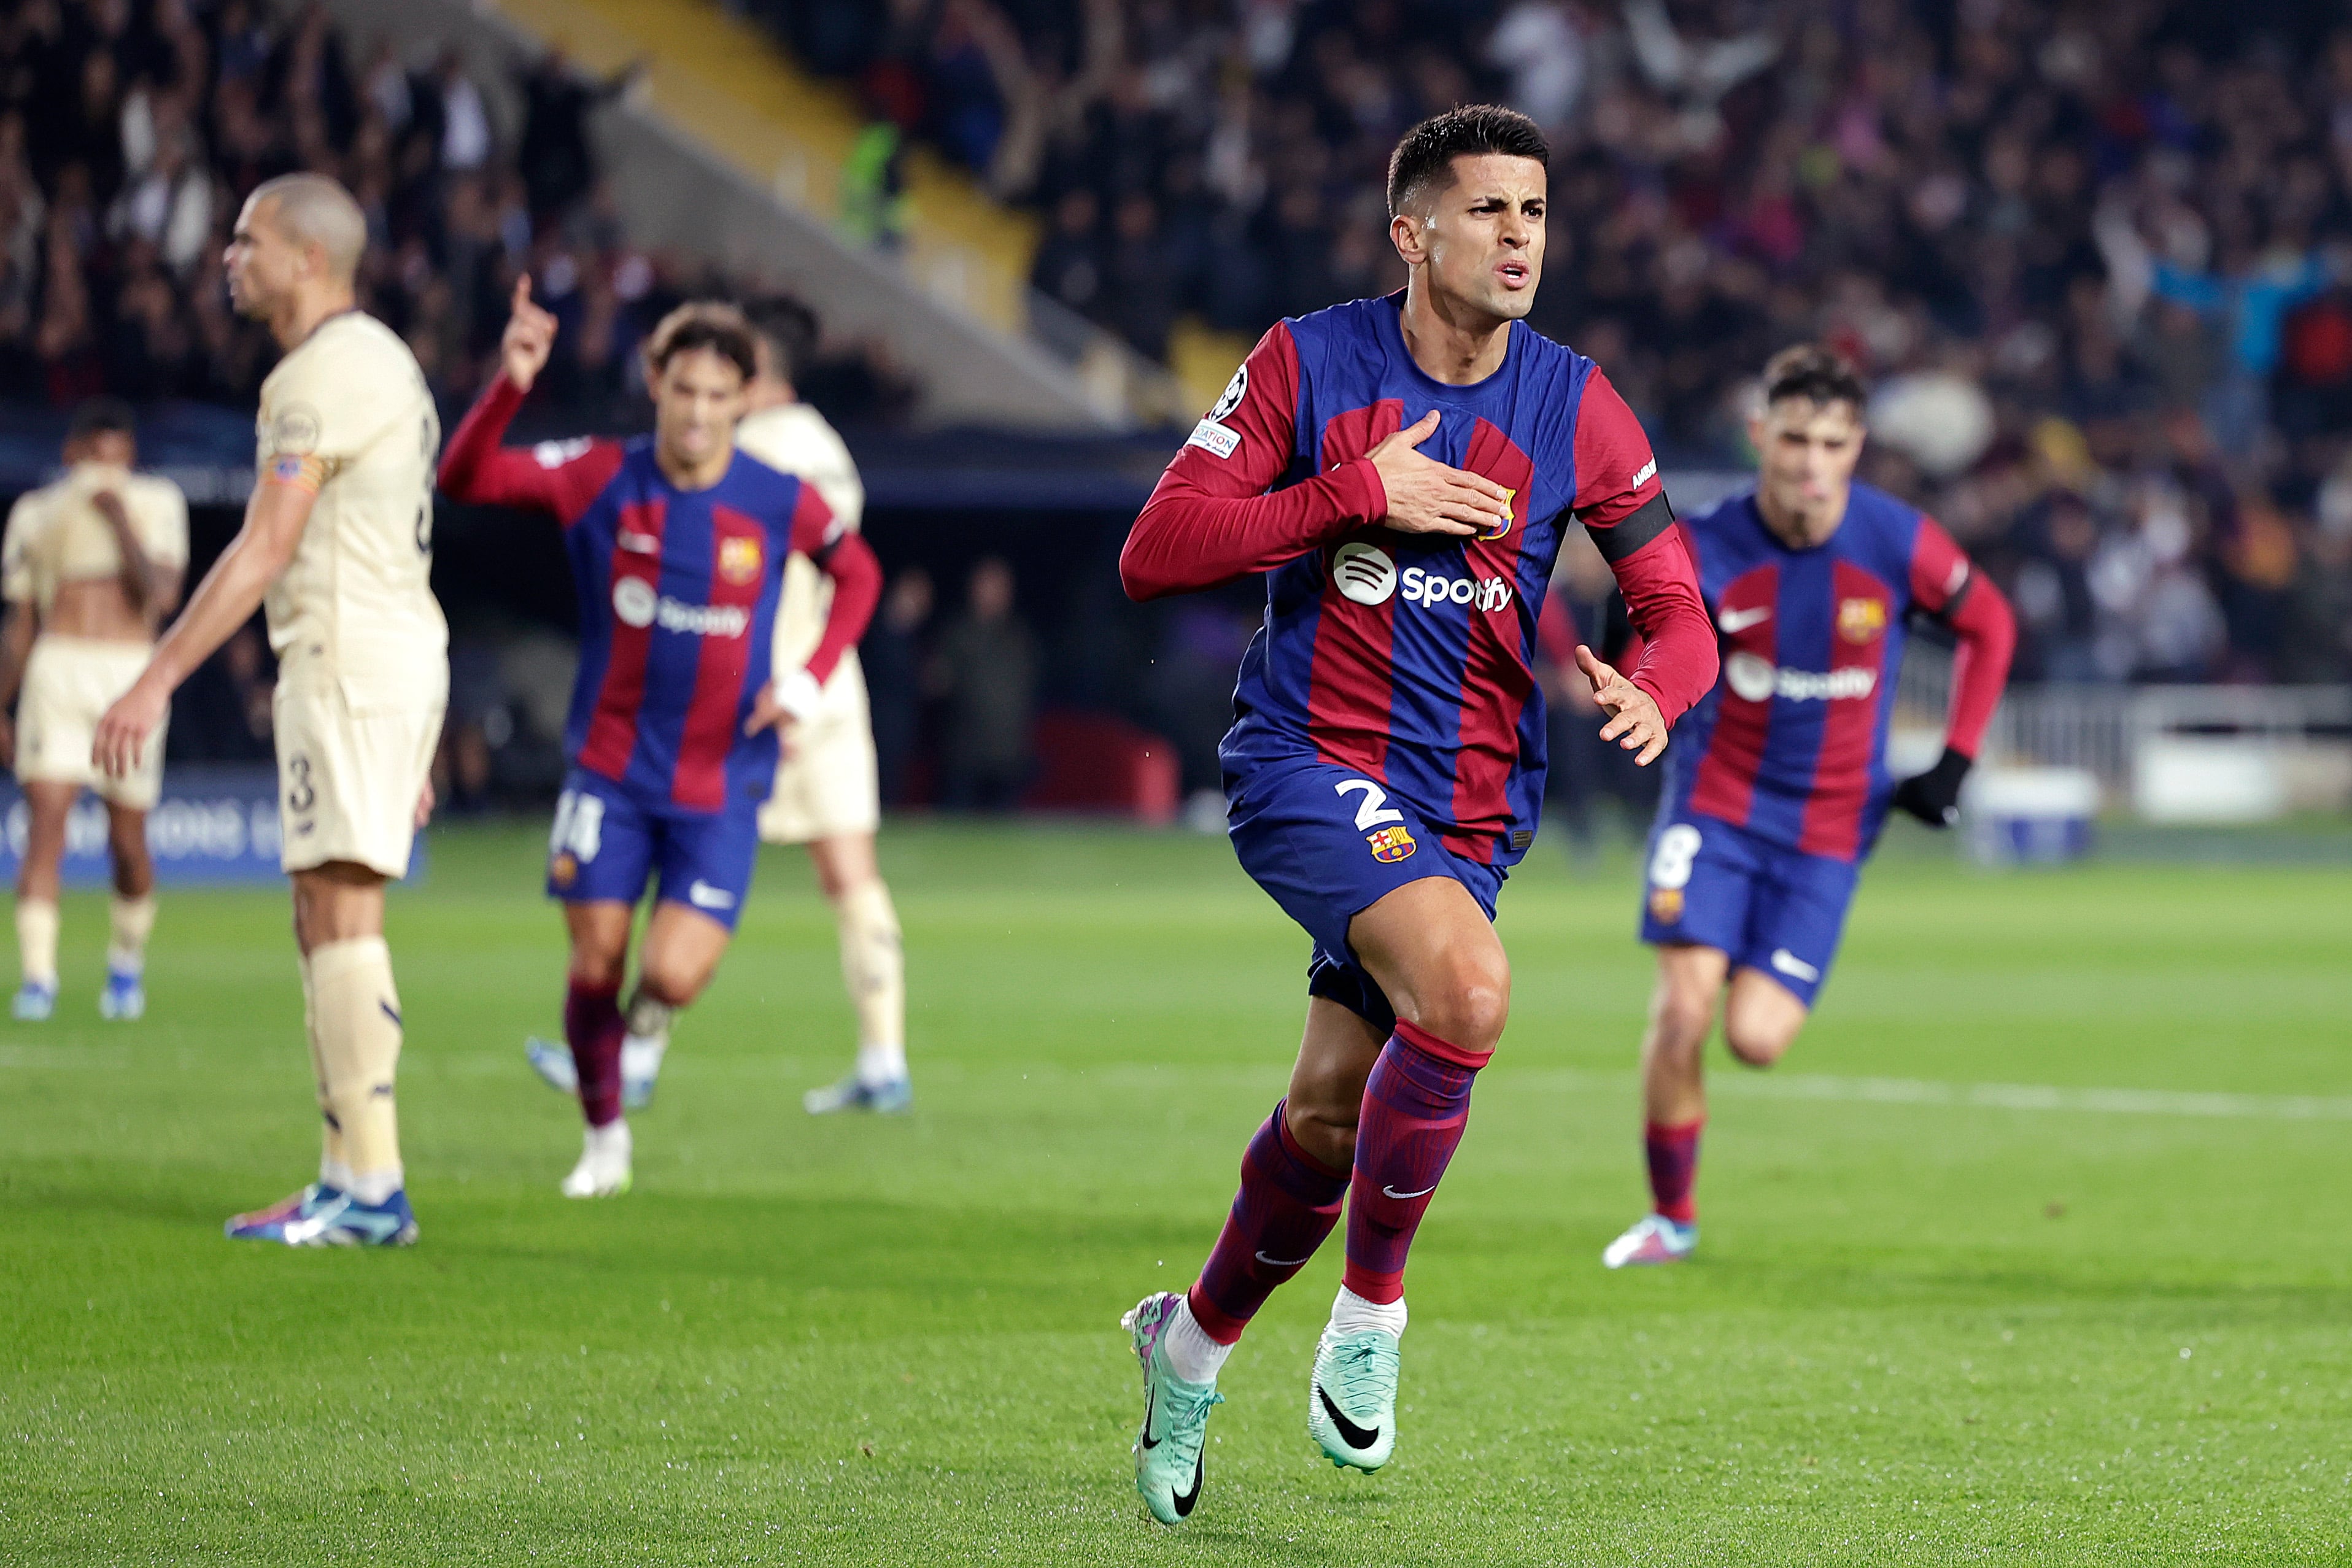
point(678, 592)
point(1792, 744)
point(1406, 657)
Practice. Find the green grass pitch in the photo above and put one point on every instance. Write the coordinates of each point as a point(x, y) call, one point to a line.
point(1933, 1322)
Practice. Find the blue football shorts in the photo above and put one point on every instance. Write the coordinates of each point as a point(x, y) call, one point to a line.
point(1326, 844)
point(1764, 906)
point(608, 844)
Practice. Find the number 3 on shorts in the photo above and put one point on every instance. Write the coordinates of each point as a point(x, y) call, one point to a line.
point(579, 825)
point(1670, 863)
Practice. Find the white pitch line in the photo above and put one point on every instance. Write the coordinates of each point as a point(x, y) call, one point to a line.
point(2009, 1096)
point(1125, 1076)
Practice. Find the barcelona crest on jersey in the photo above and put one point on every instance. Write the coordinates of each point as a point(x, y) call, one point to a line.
point(1391, 843)
point(1860, 620)
point(1510, 511)
point(738, 557)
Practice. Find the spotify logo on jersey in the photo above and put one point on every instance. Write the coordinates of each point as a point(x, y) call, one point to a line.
point(1364, 573)
point(635, 602)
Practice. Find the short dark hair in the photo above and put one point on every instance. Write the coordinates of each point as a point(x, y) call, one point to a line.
point(1425, 153)
point(1815, 374)
point(103, 416)
point(789, 329)
point(703, 324)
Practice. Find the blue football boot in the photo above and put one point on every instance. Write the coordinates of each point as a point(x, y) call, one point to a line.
point(887, 1098)
point(125, 996)
point(323, 1216)
point(36, 1001)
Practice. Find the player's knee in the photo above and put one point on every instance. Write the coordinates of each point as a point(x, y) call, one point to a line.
point(1324, 1124)
point(598, 966)
point(672, 982)
point(1470, 1004)
point(1758, 1043)
point(1680, 1018)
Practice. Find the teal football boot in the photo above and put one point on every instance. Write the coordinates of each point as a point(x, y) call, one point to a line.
point(1168, 1463)
point(1351, 1398)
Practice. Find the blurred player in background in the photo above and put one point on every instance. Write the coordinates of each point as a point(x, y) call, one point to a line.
point(338, 540)
point(678, 545)
point(90, 567)
point(827, 793)
point(1777, 792)
point(1384, 769)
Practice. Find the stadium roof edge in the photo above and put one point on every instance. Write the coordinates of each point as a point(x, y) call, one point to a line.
point(677, 192)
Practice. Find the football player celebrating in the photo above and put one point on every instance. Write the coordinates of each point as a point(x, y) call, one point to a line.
point(827, 793)
point(1778, 791)
point(677, 545)
point(1387, 759)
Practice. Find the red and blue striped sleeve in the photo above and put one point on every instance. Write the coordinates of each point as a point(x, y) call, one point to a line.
point(562, 478)
point(1211, 518)
point(845, 558)
point(1948, 586)
point(1622, 504)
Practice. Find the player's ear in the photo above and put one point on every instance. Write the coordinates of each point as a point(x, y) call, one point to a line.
point(1404, 233)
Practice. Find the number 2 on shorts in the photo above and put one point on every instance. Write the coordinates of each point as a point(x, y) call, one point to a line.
point(1374, 808)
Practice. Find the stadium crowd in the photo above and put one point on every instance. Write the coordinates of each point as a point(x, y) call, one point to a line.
point(131, 130)
point(2094, 255)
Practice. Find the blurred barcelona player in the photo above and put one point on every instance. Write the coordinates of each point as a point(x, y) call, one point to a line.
point(1776, 794)
point(678, 543)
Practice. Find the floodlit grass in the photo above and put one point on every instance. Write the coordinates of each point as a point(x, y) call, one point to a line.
point(1921, 1329)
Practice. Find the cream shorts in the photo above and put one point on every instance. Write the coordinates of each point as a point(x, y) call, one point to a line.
point(348, 782)
point(69, 683)
point(827, 783)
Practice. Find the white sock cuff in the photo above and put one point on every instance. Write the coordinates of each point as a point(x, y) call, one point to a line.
point(375, 1187)
point(330, 961)
point(1350, 1313)
point(1192, 1356)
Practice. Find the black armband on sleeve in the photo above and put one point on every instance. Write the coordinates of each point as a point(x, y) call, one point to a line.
point(1653, 518)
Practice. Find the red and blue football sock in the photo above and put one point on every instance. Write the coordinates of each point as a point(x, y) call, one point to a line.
point(594, 1029)
point(1672, 1153)
point(1289, 1202)
point(1416, 1104)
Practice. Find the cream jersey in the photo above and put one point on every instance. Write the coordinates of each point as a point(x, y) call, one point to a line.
point(793, 438)
point(347, 409)
point(56, 535)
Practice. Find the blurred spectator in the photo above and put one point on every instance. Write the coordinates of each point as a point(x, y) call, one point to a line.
point(558, 166)
point(985, 667)
point(891, 656)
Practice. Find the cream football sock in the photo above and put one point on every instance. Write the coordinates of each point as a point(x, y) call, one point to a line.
point(129, 921)
point(334, 1171)
point(359, 1043)
point(874, 971)
point(36, 940)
